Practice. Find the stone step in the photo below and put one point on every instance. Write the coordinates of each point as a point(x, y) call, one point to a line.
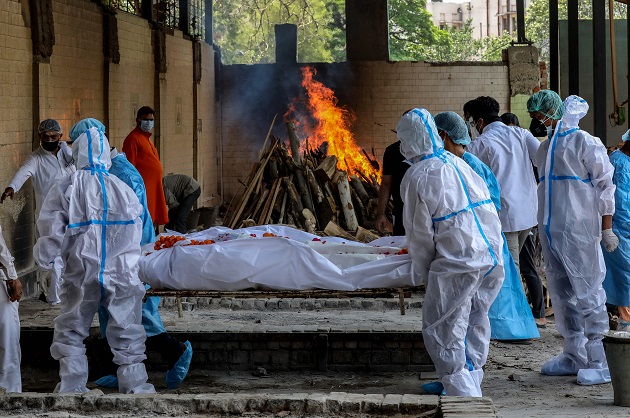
point(96, 403)
point(290, 304)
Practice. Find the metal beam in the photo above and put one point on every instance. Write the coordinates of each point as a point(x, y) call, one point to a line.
point(599, 69)
point(207, 4)
point(574, 48)
point(554, 79)
point(520, 22)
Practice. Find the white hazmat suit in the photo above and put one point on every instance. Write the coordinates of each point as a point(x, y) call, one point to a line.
point(576, 190)
point(92, 220)
point(454, 240)
point(10, 352)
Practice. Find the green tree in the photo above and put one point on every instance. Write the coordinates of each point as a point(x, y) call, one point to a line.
point(537, 20)
point(244, 29)
point(411, 30)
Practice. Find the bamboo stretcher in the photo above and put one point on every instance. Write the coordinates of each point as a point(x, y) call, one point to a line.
point(305, 294)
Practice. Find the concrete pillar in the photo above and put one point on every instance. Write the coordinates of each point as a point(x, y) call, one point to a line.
point(367, 30)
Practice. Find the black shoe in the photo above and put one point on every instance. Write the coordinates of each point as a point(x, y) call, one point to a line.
point(42, 297)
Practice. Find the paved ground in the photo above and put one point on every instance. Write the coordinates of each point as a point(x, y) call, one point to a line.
point(512, 379)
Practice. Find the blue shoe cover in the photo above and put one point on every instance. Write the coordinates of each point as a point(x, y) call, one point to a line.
point(177, 374)
point(110, 381)
point(560, 365)
point(434, 388)
point(588, 377)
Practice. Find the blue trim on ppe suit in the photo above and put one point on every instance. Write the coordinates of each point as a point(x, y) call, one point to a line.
point(125, 171)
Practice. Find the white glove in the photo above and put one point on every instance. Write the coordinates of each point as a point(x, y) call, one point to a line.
point(610, 240)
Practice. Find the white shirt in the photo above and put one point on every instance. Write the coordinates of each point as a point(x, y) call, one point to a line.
point(7, 260)
point(509, 151)
point(45, 168)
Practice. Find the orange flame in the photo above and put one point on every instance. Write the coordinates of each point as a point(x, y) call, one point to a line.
point(332, 126)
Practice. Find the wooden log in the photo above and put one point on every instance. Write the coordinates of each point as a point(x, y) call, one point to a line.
point(358, 205)
point(359, 189)
point(310, 222)
point(327, 168)
point(367, 183)
point(316, 190)
point(259, 204)
point(294, 199)
point(283, 207)
point(346, 202)
point(277, 206)
point(260, 153)
point(287, 160)
point(295, 143)
point(273, 168)
point(334, 230)
point(305, 193)
point(266, 212)
point(365, 235)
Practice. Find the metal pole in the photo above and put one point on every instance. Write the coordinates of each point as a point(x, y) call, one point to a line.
point(208, 21)
point(599, 68)
point(520, 22)
point(554, 81)
point(574, 48)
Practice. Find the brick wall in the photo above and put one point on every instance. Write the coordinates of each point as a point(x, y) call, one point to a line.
point(16, 216)
point(131, 81)
point(71, 86)
point(176, 120)
point(377, 92)
point(74, 85)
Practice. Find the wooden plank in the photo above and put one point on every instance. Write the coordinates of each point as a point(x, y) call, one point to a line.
point(248, 192)
point(266, 213)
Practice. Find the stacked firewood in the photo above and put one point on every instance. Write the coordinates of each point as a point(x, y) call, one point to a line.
point(306, 190)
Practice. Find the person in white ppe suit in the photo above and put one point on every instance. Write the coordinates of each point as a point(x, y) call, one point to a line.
point(51, 161)
point(454, 239)
point(10, 295)
point(576, 203)
point(92, 219)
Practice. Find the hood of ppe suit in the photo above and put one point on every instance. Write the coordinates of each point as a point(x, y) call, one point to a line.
point(83, 125)
point(418, 134)
point(575, 108)
point(91, 150)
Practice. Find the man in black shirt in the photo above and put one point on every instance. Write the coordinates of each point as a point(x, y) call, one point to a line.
point(394, 169)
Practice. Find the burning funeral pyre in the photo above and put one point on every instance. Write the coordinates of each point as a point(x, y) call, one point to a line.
point(322, 183)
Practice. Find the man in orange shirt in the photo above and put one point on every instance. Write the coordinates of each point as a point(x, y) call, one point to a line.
point(141, 152)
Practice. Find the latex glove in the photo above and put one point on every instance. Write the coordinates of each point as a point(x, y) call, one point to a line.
point(610, 240)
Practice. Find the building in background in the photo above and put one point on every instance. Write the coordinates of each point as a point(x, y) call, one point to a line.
point(488, 17)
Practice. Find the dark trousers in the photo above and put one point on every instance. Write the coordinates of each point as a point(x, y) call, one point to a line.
point(169, 348)
point(532, 280)
point(179, 215)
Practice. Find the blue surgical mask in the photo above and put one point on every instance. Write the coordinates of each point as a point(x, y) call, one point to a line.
point(147, 125)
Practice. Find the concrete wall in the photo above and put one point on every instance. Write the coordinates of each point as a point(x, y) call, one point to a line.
point(77, 83)
point(377, 92)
